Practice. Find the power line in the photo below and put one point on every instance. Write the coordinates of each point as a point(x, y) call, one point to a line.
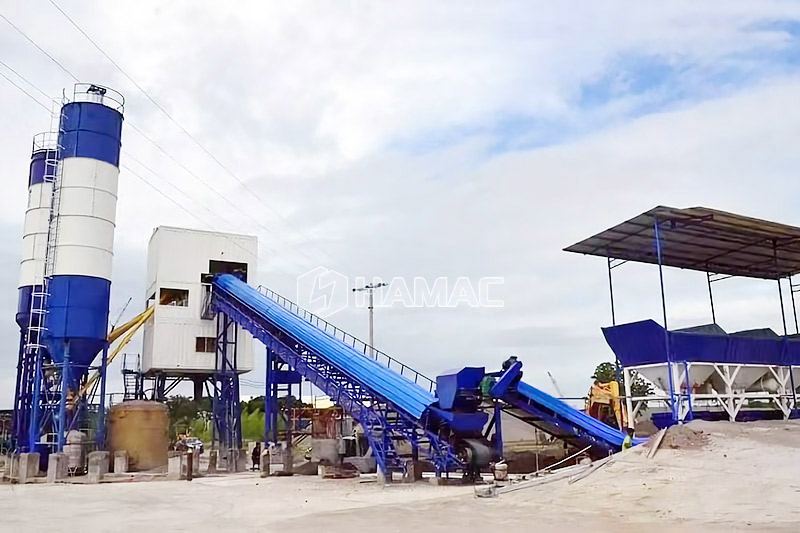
point(23, 78)
point(21, 89)
point(129, 155)
point(154, 102)
point(180, 206)
point(138, 130)
point(169, 116)
point(207, 185)
point(42, 50)
point(127, 168)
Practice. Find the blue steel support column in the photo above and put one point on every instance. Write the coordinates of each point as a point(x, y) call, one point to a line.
point(271, 399)
point(100, 437)
point(227, 409)
point(33, 428)
point(61, 423)
point(673, 404)
point(267, 390)
point(20, 410)
point(498, 430)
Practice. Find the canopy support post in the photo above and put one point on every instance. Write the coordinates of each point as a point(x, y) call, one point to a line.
point(780, 289)
point(792, 290)
point(611, 294)
point(673, 403)
point(711, 297)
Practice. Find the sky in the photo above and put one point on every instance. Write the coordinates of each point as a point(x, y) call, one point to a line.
point(408, 140)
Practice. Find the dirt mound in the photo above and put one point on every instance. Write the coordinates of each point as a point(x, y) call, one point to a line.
point(681, 437)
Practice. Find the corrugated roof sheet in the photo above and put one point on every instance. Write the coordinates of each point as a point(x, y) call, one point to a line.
point(704, 239)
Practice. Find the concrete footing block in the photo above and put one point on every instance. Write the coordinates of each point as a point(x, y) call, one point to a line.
point(98, 466)
point(185, 464)
point(11, 467)
point(264, 465)
point(413, 472)
point(365, 465)
point(440, 481)
point(121, 462)
point(28, 467)
point(57, 467)
point(241, 460)
point(174, 465)
point(212, 462)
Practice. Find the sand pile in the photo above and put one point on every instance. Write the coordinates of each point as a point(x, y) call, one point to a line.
point(705, 476)
point(682, 437)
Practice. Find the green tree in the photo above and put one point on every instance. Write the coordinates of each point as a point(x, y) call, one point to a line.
point(184, 412)
point(607, 372)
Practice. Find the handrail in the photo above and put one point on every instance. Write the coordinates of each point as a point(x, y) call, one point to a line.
point(354, 342)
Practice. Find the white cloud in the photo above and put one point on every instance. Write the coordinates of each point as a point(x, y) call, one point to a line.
point(369, 131)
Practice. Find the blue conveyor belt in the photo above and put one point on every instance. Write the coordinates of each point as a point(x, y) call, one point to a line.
point(388, 385)
point(541, 401)
point(553, 416)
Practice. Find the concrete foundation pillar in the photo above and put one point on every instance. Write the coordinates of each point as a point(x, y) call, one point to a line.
point(413, 472)
point(11, 466)
point(98, 466)
point(212, 462)
point(288, 460)
point(439, 481)
point(241, 460)
point(174, 465)
point(264, 465)
point(28, 467)
point(383, 477)
point(57, 467)
point(120, 462)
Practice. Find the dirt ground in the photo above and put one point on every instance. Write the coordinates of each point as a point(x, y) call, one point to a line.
point(706, 477)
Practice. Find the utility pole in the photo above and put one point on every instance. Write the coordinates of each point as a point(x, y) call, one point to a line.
point(370, 288)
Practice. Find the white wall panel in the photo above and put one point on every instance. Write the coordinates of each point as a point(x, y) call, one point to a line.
point(176, 259)
point(83, 261)
point(34, 234)
point(87, 211)
point(89, 173)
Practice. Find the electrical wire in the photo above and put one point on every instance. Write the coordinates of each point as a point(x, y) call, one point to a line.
point(23, 78)
point(25, 92)
point(146, 137)
point(171, 118)
point(42, 50)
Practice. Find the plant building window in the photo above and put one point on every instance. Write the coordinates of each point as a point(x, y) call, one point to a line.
point(204, 344)
point(176, 297)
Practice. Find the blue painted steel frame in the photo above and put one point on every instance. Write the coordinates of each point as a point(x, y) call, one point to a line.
point(226, 402)
point(276, 383)
point(50, 413)
point(382, 423)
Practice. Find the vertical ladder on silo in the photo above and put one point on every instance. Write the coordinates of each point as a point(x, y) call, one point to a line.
point(34, 342)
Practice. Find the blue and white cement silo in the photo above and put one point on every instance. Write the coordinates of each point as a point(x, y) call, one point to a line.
point(43, 166)
point(81, 240)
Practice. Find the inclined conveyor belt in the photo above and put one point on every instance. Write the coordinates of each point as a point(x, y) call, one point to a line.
point(541, 401)
point(388, 385)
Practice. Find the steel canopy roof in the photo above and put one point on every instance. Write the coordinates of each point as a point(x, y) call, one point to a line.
point(703, 239)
